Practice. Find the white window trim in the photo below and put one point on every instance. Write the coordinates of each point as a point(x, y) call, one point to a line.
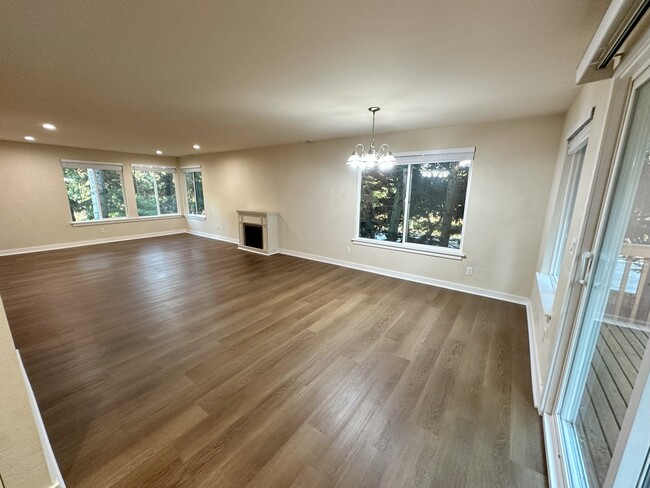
point(443, 252)
point(123, 220)
point(418, 157)
point(100, 165)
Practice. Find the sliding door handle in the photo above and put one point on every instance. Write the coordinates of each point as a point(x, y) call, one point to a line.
point(585, 267)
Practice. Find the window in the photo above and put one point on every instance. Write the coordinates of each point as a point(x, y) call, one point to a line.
point(565, 203)
point(155, 190)
point(419, 204)
point(95, 190)
point(194, 191)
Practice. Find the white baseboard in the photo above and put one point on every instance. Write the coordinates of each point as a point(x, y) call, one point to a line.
point(410, 277)
point(105, 240)
point(52, 465)
point(212, 236)
point(553, 460)
point(534, 357)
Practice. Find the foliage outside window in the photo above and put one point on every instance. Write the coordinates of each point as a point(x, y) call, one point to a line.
point(155, 190)
point(415, 204)
point(194, 192)
point(95, 191)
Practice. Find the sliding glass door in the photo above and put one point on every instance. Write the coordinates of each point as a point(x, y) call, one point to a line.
point(603, 397)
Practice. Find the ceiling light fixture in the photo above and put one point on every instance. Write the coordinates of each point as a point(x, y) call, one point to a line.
point(369, 158)
point(29, 138)
point(158, 152)
point(196, 146)
point(49, 126)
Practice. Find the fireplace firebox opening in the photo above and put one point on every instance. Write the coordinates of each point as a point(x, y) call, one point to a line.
point(253, 236)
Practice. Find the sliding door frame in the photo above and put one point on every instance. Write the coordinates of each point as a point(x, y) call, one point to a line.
point(629, 458)
point(573, 299)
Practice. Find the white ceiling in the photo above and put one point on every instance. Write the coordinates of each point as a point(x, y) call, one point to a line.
point(143, 75)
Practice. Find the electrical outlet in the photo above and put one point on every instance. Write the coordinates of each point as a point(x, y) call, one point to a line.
point(347, 249)
point(101, 230)
point(469, 271)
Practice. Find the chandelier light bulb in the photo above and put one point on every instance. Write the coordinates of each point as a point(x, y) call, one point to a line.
point(370, 158)
point(354, 159)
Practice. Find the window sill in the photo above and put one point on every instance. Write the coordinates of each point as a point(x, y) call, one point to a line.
point(194, 217)
point(412, 248)
point(125, 220)
point(546, 289)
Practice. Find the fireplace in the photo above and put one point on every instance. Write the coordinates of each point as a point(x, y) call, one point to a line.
point(258, 231)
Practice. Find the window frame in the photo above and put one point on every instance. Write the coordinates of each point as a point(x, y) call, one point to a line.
point(420, 157)
point(186, 204)
point(156, 168)
point(96, 165)
point(562, 223)
point(575, 145)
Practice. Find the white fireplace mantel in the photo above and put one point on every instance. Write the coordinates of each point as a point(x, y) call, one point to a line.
point(258, 231)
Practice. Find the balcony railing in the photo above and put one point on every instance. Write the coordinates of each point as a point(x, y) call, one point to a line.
point(629, 297)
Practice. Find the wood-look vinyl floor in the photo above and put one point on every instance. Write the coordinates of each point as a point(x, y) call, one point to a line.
point(181, 362)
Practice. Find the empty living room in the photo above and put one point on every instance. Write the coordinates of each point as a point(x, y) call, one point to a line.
point(334, 244)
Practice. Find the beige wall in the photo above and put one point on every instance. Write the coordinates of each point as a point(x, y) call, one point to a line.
point(22, 462)
point(316, 195)
point(591, 95)
point(34, 207)
point(233, 180)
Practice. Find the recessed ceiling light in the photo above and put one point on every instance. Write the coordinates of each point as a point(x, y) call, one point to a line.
point(29, 138)
point(158, 152)
point(196, 146)
point(49, 127)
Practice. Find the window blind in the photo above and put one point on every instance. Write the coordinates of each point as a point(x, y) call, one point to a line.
point(190, 169)
point(69, 163)
point(436, 156)
point(151, 167)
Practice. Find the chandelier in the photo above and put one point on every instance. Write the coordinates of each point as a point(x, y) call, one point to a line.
point(371, 157)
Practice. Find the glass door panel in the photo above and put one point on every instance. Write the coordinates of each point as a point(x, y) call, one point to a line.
point(614, 332)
